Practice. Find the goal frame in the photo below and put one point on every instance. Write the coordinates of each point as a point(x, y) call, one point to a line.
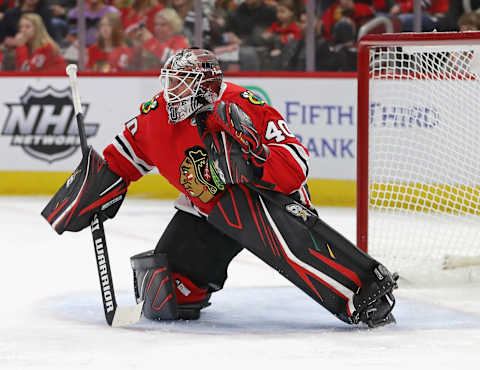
point(363, 99)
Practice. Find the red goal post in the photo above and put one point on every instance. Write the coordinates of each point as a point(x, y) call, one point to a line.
point(409, 63)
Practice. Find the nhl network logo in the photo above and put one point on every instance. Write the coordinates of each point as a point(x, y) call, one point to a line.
point(43, 123)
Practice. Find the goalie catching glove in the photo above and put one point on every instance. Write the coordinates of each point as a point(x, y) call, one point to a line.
point(92, 188)
point(234, 146)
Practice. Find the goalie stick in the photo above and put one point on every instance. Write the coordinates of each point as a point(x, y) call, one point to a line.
point(115, 316)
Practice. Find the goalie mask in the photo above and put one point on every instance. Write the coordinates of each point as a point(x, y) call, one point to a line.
point(191, 79)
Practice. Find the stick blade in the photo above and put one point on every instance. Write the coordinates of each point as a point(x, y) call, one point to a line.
point(125, 316)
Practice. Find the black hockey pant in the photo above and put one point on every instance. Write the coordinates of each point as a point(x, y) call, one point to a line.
point(197, 250)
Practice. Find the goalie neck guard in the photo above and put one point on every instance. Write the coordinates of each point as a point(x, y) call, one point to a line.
point(191, 78)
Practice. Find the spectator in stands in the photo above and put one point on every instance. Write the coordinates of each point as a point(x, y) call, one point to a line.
point(4, 5)
point(8, 59)
point(382, 7)
point(153, 50)
point(110, 53)
point(36, 51)
point(248, 21)
point(359, 13)
point(141, 12)
point(59, 9)
point(282, 37)
point(121, 5)
point(95, 10)
point(285, 28)
point(461, 62)
point(343, 51)
point(336, 54)
point(11, 17)
point(186, 11)
point(244, 28)
point(221, 10)
point(469, 22)
point(432, 10)
point(450, 21)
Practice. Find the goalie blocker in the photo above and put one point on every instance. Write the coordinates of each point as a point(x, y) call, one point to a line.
point(91, 188)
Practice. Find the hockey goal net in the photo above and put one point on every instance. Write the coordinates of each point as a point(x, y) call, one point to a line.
point(418, 153)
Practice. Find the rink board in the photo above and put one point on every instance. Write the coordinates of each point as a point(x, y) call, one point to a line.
point(39, 143)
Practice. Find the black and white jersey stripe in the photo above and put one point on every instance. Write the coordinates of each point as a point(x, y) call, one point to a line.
point(305, 195)
point(298, 153)
point(302, 195)
point(124, 148)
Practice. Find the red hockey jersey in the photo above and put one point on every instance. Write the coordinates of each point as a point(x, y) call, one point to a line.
point(362, 13)
point(162, 50)
point(131, 18)
point(149, 141)
point(287, 33)
point(43, 59)
point(117, 60)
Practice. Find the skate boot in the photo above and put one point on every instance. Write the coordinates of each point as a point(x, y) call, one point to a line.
point(374, 303)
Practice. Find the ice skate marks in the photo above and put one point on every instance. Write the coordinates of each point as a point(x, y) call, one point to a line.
point(267, 311)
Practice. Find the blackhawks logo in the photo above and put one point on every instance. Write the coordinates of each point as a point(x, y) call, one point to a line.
point(43, 124)
point(149, 105)
point(197, 176)
point(252, 98)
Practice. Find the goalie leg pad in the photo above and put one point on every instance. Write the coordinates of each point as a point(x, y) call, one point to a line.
point(308, 252)
point(153, 284)
point(167, 295)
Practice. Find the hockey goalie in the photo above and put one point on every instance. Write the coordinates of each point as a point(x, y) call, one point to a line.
point(242, 176)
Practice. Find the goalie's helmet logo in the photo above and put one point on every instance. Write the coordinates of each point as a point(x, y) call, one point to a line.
point(43, 124)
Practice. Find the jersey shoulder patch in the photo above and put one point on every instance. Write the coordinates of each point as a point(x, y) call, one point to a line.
point(252, 97)
point(150, 105)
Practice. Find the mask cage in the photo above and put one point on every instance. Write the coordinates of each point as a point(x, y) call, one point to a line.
point(180, 85)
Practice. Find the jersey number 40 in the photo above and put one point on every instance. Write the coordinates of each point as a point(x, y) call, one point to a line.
point(277, 130)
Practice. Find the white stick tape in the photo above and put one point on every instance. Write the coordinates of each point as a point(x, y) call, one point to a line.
point(72, 74)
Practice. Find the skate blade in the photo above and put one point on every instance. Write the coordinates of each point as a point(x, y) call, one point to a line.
point(390, 319)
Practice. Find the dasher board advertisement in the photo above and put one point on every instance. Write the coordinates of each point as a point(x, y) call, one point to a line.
point(38, 130)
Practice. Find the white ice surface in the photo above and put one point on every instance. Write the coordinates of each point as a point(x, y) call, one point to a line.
point(52, 316)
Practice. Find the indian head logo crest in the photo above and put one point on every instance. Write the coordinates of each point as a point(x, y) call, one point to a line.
point(197, 176)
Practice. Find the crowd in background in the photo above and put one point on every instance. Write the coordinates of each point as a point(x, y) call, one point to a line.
point(246, 35)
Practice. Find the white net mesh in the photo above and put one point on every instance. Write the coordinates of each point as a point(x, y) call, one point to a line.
point(424, 159)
